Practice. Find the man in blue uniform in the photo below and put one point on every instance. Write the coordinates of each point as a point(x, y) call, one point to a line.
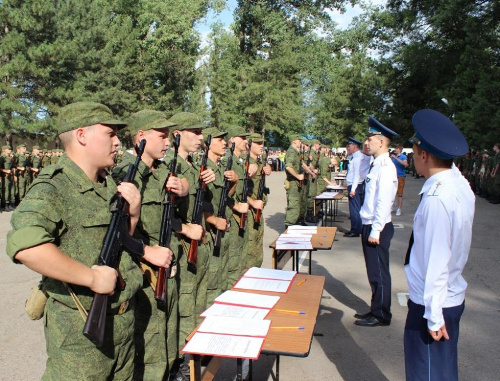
point(355, 187)
point(377, 231)
point(438, 250)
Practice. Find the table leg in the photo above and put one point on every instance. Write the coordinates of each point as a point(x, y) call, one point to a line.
point(239, 369)
point(277, 367)
point(195, 367)
point(310, 261)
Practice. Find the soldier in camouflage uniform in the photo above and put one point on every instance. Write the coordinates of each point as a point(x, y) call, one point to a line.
point(58, 231)
point(237, 237)
point(313, 186)
point(255, 244)
point(46, 158)
point(293, 182)
point(323, 170)
point(36, 162)
point(156, 324)
point(7, 165)
point(495, 177)
point(219, 258)
point(193, 280)
point(21, 171)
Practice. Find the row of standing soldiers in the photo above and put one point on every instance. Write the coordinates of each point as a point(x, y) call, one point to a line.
point(481, 170)
point(19, 169)
point(308, 170)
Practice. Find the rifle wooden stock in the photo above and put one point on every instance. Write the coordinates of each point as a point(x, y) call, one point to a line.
point(115, 240)
point(166, 229)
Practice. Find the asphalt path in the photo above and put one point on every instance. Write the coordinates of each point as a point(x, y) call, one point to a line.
point(340, 350)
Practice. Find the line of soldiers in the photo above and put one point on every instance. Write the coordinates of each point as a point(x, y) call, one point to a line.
point(64, 216)
point(308, 167)
point(481, 168)
point(19, 169)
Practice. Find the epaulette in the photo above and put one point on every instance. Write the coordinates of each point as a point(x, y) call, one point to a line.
point(435, 189)
point(49, 172)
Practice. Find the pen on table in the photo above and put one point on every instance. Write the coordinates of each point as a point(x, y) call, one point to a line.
point(301, 282)
point(299, 327)
point(290, 311)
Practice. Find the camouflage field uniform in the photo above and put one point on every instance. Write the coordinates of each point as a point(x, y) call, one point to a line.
point(237, 238)
point(293, 194)
point(255, 243)
point(65, 208)
point(192, 282)
point(155, 324)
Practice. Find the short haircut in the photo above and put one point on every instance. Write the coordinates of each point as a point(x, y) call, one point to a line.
point(438, 162)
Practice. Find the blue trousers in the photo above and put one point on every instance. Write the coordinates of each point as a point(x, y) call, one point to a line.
point(354, 208)
point(377, 269)
point(426, 359)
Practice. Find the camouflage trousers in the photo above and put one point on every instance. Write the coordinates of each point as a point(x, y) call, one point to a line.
point(236, 262)
point(155, 333)
point(293, 201)
point(254, 246)
point(71, 356)
point(192, 289)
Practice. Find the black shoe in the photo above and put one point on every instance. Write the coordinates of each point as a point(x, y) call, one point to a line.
point(371, 321)
point(311, 220)
point(363, 316)
point(351, 234)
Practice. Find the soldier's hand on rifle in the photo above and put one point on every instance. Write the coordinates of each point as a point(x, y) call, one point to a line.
point(267, 170)
point(158, 256)
point(241, 207)
point(192, 231)
point(220, 223)
point(131, 194)
point(179, 186)
point(256, 204)
point(252, 169)
point(300, 176)
point(104, 279)
point(208, 176)
point(231, 176)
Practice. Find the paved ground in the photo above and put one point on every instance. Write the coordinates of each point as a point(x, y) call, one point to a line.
point(340, 350)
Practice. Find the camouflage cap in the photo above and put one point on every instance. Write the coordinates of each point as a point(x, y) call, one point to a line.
point(84, 114)
point(35, 147)
point(256, 138)
point(147, 120)
point(215, 132)
point(21, 145)
point(315, 141)
point(233, 131)
point(187, 121)
point(292, 138)
point(6, 147)
point(306, 142)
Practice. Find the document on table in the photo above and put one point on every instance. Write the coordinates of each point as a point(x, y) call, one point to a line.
point(218, 309)
point(299, 228)
point(235, 326)
point(259, 284)
point(258, 272)
point(291, 245)
point(225, 345)
point(239, 298)
point(326, 195)
point(295, 238)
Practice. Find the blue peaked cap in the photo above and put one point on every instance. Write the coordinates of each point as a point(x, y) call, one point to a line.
point(438, 135)
point(351, 140)
point(377, 128)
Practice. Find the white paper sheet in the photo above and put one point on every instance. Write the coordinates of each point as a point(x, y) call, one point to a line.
point(259, 284)
point(239, 298)
point(295, 228)
point(218, 309)
point(258, 272)
point(235, 326)
point(224, 345)
point(280, 245)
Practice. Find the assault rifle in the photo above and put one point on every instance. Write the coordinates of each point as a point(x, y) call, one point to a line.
point(301, 159)
point(262, 190)
point(116, 239)
point(243, 216)
point(223, 202)
point(198, 205)
point(167, 228)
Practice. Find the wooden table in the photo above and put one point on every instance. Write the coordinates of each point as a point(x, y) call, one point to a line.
point(281, 342)
point(323, 240)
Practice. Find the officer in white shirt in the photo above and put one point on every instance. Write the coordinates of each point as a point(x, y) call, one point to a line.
point(377, 231)
point(355, 185)
point(438, 250)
